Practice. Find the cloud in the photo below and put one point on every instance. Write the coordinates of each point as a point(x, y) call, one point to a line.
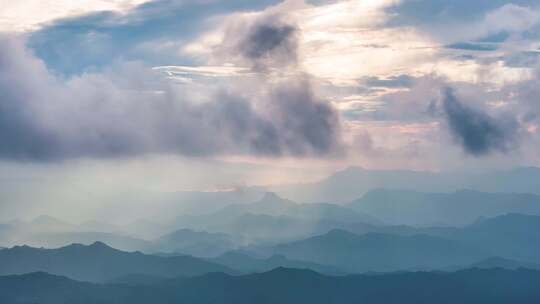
point(263, 42)
point(473, 46)
point(31, 14)
point(132, 110)
point(525, 59)
point(511, 18)
point(402, 99)
point(426, 13)
point(396, 81)
point(302, 115)
point(153, 32)
point(483, 25)
point(270, 41)
point(478, 133)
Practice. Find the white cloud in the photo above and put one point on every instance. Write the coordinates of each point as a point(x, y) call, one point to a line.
point(187, 72)
point(25, 15)
point(338, 42)
point(511, 18)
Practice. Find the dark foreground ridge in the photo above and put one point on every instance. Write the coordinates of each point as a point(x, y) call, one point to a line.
point(100, 263)
point(283, 285)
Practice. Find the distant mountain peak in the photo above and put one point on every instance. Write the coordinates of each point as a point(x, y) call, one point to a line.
point(274, 199)
point(22, 248)
point(279, 269)
point(339, 233)
point(99, 244)
point(270, 196)
point(288, 272)
point(92, 247)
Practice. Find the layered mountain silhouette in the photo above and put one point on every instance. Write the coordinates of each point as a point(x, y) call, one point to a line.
point(271, 204)
point(353, 182)
point(452, 209)
point(194, 202)
point(498, 262)
point(197, 243)
point(513, 236)
point(100, 263)
point(375, 252)
point(49, 224)
point(273, 217)
point(475, 286)
point(48, 231)
point(60, 239)
point(382, 249)
point(277, 251)
point(248, 264)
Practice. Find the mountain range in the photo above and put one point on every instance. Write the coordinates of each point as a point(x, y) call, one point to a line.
point(459, 208)
point(247, 264)
point(197, 243)
point(273, 217)
point(498, 262)
point(353, 182)
point(374, 252)
point(100, 263)
point(511, 236)
point(281, 285)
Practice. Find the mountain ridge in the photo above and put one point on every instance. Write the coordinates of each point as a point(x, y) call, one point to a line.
point(287, 286)
point(99, 262)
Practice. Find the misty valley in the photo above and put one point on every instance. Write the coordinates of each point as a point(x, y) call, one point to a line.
point(466, 246)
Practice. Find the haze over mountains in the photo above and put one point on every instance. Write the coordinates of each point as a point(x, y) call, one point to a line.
point(459, 236)
point(504, 236)
point(272, 219)
point(380, 252)
point(352, 248)
point(353, 182)
point(447, 209)
point(196, 243)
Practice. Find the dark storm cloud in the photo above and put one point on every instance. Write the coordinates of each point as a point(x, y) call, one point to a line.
point(265, 40)
point(270, 42)
point(132, 112)
point(302, 115)
point(477, 132)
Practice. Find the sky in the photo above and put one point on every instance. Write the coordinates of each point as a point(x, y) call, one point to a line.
point(99, 97)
